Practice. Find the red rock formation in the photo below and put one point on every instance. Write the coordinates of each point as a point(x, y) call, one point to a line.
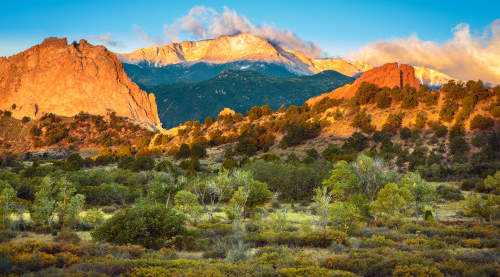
point(388, 75)
point(64, 79)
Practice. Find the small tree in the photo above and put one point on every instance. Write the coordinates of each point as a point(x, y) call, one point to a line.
point(162, 186)
point(187, 203)
point(7, 207)
point(345, 212)
point(322, 199)
point(43, 208)
point(480, 208)
point(422, 192)
point(342, 179)
point(492, 182)
point(392, 200)
point(372, 174)
point(57, 197)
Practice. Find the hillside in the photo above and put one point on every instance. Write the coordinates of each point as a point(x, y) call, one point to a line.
point(51, 133)
point(147, 75)
point(65, 79)
point(443, 126)
point(240, 91)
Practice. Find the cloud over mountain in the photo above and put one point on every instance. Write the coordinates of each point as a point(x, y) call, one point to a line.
point(203, 22)
point(107, 40)
point(465, 56)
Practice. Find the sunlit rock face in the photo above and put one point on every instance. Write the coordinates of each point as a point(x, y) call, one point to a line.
point(64, 79)
point(238, 47)
point(388, 75)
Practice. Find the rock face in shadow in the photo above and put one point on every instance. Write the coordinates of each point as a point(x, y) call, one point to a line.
point(387, 75)
point(64, 79)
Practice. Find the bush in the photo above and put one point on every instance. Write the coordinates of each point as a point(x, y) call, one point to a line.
point(363, 121)
point(321, 239)
point(183, 153)
point(409, 97)
point(470, 183)
point(405, 133)
point(482, 122)
point(357, 142)
point(448, 111)
point(383, 99)
point(146, 224)
point(393, 122)
point(365, 93)
point(453, 90)
point(314, 271)
point(67, 237)
point(450, 193)
point(297, 134)
point(191, 165)
point(440, 129)
point(416, 270)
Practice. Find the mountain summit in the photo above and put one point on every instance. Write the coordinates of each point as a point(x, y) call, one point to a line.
point(64, 79)
point(239, 47)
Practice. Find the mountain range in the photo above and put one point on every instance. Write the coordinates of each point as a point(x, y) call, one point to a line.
point(196, 61)
point(240, 91)
point(240, 47)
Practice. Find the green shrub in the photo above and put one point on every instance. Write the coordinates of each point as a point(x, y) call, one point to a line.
point(146, 224)
point(450, 193)
point(297, 134)
point(313, 271)
point(321, 239)
point(416, 270)
point(470, 183)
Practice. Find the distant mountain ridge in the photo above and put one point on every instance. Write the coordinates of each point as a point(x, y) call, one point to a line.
point(240, 91)
point(152, 76)
point(240, 47)
point(252, 49)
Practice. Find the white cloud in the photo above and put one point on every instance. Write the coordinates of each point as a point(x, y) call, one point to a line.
point(147, 38)
point(465, 56)
point(202, 22)
point(107, 40)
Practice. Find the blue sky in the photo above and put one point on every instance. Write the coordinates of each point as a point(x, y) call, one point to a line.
point(338, 27)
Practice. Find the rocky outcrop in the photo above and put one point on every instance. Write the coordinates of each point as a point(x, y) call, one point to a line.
point(388, 75)
point(64, 79)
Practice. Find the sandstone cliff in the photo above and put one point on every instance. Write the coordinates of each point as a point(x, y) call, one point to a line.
point(64, 79)
point(388, 75)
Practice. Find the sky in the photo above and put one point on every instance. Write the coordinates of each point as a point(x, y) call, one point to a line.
point(370, 31)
